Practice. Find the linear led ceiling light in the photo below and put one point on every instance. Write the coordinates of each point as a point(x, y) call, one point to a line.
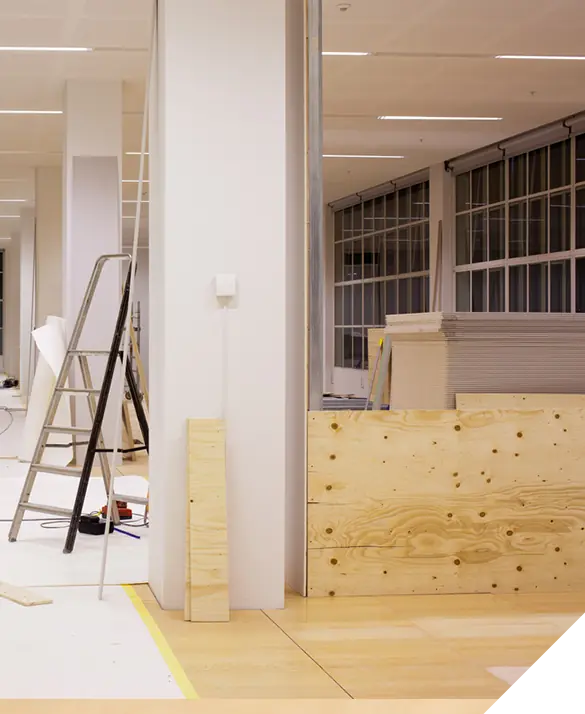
point(12, 200)
point(9, 216)
point(46, 49)
point(136, 153)
point(358, 156)
point(416, 118)
point(31, 111)
point(135, 180)
point(570, 58)
point(347, 54)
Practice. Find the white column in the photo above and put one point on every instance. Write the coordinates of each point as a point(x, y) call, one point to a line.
point(11, 296)
point(49, 242)
point(27, 287)
point(227, 196)
point(92, 213)
point(442, 209)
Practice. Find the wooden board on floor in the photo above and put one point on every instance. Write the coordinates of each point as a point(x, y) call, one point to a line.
point(22, 596)
point(446, 502)
point(207, 597)
point(520, 401)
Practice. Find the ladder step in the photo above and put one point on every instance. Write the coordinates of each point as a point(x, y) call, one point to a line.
point(130, 499)
point(61, 470)
point(71, 390)
point(52, 429)
point(53, 510)
point(88, 353)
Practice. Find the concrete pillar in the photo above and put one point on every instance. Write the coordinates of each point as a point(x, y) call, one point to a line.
point(49, 242)
point(92, 214)
point(442, 209)
point(27, 301)
point(227, 196)
point(11, 289)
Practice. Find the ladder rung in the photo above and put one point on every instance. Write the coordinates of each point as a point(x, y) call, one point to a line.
point(52, 429)
point(71, 390)
point(88, 353)
point(62, 470)
point(53, 510)
point(130, 499)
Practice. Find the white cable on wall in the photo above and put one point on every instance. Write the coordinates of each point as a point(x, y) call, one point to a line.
point(126, 338)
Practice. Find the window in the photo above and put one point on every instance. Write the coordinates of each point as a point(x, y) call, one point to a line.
point(381, 267)
point(520, 232)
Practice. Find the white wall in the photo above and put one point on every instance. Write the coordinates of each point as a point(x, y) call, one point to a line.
point(27, 307)
point(49, 242)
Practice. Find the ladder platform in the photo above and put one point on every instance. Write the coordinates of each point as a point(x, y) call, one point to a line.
point(53, 429)
point(84, 392)
point(140, 500)
point(50, 469)
point(52, 510)
point(89, 353)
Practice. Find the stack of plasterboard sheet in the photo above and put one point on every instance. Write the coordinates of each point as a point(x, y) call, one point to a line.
point(437, 355)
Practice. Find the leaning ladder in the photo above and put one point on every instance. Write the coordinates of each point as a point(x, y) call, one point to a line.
point(97, 411)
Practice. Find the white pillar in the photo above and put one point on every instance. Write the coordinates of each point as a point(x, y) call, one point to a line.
point(27, 287)
point(442, 209)
point(49, 241)
point(11, 296)
point(92, 213)
point(227, 196)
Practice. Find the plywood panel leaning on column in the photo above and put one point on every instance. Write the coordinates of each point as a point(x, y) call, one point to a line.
point(375, 339)
point(520, 401)
point(446, 502)
point(206, 596)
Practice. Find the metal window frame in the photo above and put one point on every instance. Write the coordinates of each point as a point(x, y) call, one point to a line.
point(548, 257)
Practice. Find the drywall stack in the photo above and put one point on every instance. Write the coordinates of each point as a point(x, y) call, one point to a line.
point(437, 355)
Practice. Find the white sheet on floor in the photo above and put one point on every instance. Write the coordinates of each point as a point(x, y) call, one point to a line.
point(37, 558)
point(52, 345)
point(81, 648)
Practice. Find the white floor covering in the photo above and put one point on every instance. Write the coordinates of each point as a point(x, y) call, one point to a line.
point(37, 558)
point(81, 648)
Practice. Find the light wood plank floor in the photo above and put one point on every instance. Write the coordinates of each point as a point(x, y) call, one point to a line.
point(408, 647)
point(249, 706)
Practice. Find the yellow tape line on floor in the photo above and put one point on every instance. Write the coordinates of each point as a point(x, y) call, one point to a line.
point(164, 648)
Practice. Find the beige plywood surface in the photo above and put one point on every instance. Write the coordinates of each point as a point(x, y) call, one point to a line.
point(207, 598)
point(446, 502)
point(520, 401)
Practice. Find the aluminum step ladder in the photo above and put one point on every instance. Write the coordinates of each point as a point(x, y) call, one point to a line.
point(95, 443)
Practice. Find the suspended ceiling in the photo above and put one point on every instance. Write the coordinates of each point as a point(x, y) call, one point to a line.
point(431, 58)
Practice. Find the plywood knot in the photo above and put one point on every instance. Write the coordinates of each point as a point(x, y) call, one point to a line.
point(333, 561)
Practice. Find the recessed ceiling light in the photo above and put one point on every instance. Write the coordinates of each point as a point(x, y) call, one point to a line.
point(358, 156)
point(9, 216)
point(347, 54)
point(136, 153)
point(135, 181)
point(417, 118)
point(133, 200)
point(12, 200)
point(31, 111)
point(46, 49)
point(570, 58)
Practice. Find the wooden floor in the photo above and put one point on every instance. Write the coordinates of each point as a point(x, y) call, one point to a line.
point(407, 647)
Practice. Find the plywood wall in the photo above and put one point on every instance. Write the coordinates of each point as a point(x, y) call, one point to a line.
point(446, 502)
point(520, 401)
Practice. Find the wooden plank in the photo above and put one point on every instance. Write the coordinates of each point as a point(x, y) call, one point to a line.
point(208, 547)
point(520, 401)
point(375, 336)
point(22, 596)
point(445, 501)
